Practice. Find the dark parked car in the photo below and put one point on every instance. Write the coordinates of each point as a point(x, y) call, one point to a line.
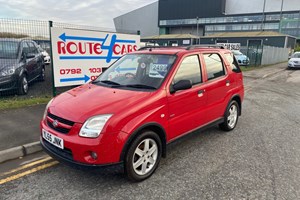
point(20, 63)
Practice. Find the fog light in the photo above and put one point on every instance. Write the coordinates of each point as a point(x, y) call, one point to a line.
point(94, 155)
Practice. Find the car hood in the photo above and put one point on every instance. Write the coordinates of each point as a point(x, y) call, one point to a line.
point(7, 62)
point(89, 100)
point(241, 57)
point(294, 59)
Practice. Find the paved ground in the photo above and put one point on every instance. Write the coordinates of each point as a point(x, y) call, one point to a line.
point(260, 159)
point(20, 126)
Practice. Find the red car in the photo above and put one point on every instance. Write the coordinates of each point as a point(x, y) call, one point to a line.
point(141, 103)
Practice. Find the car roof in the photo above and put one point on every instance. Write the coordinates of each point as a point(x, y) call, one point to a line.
point(15, 39)
point(169, 50)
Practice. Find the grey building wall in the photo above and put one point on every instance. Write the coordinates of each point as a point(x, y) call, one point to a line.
point(269, 41)
point(144, 19)
point(187, 30)
point(233, 7)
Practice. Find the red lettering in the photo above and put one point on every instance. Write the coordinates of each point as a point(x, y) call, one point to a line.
point(135, 48)
point(115, 49)
point(129, 48)
point(81, 50)
point(90, 47)
point(123, 49)
point(61, 47)
point(97, 48)
point(69, 48)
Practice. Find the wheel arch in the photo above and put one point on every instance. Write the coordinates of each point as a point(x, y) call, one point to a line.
point(152, 126)
point(237, 98)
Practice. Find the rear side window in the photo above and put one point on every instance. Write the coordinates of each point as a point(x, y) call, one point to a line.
point(214, 66)
point(32, 48)
point(233, 63)
point(189, 69)
point(25, 48)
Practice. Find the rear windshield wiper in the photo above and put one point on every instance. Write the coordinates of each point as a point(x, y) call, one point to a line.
point(141, 86)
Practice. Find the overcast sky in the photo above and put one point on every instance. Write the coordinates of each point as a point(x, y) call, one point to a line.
point(98, 13)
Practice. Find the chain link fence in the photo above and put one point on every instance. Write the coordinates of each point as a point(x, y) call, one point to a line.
point(25, 57)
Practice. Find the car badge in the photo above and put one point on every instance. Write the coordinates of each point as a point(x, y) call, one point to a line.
point(55, 123)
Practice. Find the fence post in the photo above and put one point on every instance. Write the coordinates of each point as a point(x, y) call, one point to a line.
point(52, 67)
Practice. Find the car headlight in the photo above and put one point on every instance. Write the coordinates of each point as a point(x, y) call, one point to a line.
point(93, 126)
point(46, 109)
point(7, 71)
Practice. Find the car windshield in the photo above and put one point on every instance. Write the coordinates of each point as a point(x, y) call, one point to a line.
point(296, 55)
point(8, 49)
point(138, 71)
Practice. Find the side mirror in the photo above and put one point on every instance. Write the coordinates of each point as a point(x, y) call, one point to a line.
point(181, 85)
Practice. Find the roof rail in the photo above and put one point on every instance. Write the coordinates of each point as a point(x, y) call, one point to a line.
point(204, 46)
point(159, 47)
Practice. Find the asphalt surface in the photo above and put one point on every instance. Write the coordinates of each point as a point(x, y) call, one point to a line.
point(20, 126)
point(260, 159)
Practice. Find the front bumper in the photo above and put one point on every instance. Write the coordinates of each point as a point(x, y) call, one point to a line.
point(64, 158)
point(77, 150)
point(294, 65)
point(8, 83)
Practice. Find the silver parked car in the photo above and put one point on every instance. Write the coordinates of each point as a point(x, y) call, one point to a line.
point(294, 61)
point(241, 58)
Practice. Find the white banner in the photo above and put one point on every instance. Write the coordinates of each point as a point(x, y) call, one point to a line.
point(231, 46)
point(80, 56)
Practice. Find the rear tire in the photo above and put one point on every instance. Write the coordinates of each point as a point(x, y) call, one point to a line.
point(23, 85)
point(143, 156)
point(231, 116)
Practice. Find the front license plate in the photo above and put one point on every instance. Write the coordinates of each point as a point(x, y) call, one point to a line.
point(56, 141)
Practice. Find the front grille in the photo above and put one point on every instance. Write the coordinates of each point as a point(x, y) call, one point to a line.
point(63, 126)
point(58, 129)
point(65, 153)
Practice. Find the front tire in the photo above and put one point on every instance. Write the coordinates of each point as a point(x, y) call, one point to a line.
point(143, 156)
point(23, 85)
point(231, 116)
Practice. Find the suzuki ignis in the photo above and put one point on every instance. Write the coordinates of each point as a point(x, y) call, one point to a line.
point(141, 103)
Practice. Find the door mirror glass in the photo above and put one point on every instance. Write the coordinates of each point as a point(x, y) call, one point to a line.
point(181, 85)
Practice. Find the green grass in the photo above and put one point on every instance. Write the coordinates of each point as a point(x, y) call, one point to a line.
point(11, 103)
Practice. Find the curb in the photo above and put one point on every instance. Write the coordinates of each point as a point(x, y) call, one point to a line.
point(20, 151)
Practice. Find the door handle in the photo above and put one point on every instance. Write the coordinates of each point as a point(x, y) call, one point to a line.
point(200, 93)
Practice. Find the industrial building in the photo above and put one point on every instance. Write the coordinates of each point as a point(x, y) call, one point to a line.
point(208, 17)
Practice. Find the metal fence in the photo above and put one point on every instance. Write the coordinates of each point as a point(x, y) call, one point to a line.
point(273, 55)
point(25, 57)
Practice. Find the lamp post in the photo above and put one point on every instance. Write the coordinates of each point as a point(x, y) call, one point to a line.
point(263, 16)
point(197, 18)
point(280, 19)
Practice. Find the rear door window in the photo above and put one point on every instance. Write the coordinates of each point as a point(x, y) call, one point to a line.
point(214, 66)
point(233, 63)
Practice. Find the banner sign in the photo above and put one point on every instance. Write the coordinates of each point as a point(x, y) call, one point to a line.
point(80, 56)
point(231, 46)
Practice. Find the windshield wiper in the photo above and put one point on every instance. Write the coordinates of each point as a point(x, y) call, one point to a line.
point(107, 82)
point(141, 86)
